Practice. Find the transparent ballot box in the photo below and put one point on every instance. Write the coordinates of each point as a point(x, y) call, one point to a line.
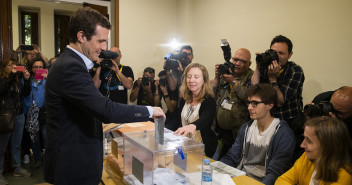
point(177, 161)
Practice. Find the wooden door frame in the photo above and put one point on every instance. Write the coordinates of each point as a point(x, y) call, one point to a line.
point(6, 38)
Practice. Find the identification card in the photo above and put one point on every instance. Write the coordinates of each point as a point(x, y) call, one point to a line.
point(121, 88)
point(226, 104)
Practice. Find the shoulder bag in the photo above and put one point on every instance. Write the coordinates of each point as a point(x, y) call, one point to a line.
point(7, 119)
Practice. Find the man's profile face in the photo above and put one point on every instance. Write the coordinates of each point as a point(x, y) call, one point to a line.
point(98, 42)
point(241, 60)
point(189, 57)
point(342, 105)
point(282, 51)
point(258, 110)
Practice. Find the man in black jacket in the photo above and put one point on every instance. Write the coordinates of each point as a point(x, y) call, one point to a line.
point(74, 150)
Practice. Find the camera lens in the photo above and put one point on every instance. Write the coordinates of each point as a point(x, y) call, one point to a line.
point(145, 80)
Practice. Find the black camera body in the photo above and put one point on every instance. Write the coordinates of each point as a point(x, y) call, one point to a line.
point(27, 47)
point(146, 80)
point(107, 56)
point(320, 109)
point(225, 68)
point(163, 82)
point(263, 61)
point(172, 58)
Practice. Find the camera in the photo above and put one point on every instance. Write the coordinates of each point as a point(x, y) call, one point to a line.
point(27, 47)
point(172, 58)
point(320, 109)
point(163, 78)
point(107, 57)
point(163, 82)
point(225, 68)
point(145, 80)
point(263, 62)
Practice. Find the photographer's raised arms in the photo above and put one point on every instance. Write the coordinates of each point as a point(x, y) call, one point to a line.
point(112, 78)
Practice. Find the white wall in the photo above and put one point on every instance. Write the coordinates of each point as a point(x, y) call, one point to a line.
point(144, 27)
point(319, 29)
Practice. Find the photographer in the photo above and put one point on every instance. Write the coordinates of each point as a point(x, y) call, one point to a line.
point(174, 76)
point(287, 78)
point(341, 101)
point(113, 81)
point(30, 52)
point(229, 88)
point(170, 97)
point(144, 88)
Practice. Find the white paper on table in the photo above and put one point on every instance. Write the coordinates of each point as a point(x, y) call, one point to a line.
point(222, 179)
point(222, 168)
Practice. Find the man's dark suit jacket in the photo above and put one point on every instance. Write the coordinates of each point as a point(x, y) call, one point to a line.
point(74, 150)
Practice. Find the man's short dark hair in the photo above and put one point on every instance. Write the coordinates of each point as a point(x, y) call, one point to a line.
point(281, 38)
point(266, 92)
point(162, 73)
point(149, 70)
point(187, 47)
point(86, 19)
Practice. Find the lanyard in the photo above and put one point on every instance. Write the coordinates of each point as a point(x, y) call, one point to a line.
point(121, 72)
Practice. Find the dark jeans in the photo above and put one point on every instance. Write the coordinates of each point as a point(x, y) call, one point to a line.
point(297, 125)
point(227, 138)
point(15, 138)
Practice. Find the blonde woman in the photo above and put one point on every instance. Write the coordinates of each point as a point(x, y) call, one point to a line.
point(197, 107)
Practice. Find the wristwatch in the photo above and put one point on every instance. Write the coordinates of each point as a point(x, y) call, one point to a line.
point(273, 84)
point(96, 65)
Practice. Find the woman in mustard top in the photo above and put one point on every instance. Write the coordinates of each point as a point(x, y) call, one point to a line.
point(327, 158)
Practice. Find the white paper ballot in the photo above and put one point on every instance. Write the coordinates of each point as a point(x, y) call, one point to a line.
point(222, 168)
point(222, 179)
point(171, 137)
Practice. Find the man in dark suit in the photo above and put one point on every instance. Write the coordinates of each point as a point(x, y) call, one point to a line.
point(74, 150)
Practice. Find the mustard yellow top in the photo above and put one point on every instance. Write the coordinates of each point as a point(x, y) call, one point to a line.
point(302, 171)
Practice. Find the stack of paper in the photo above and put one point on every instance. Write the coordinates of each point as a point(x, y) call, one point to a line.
point(220, 167)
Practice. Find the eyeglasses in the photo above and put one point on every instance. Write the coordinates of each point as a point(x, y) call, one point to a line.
point(37, 67)
point(253, 103)
point(239, 60)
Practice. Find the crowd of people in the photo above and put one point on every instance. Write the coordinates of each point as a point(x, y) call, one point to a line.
point(252, 120)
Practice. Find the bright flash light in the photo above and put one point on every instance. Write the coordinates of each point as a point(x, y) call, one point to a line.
point(174, 44)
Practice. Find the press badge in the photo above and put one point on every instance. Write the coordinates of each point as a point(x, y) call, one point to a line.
point(121, 88)
point(226, 104)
